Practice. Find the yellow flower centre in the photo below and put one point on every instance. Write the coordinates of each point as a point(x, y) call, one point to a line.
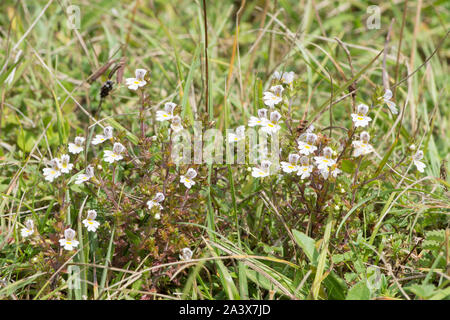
point(325, 160)
point(291, 167)
point(69, 242)
point(187, 180)
point(136, 82)
point(270, 125)
point(305, 169)
point(90, 222)
point(307, 147)
point(52, 172)
point(363, 146)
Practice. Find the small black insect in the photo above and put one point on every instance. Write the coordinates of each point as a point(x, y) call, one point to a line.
point(106, 88)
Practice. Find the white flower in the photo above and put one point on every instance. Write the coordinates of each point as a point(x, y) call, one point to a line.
point(272, 126)
point(362, 147)
point(187, 179)
point(159, 197)
point(68, 242)
point(360, 119)
point(89, 173)
point(291, 165)
point(100, 138)
point(90, 223)
point(271, 99)
point(260, 120)
point(53, 172)
point(176, 125)
point(305, 169)
point(416, 160)
point(114, 154)
point(76, 147)
point(157, 216)
point(28, 230)
point(307, 147)
point(238, 136)
point(277, 90)
point(325, 171)
point(64, 164)
point(186, 254)
point(167, 113)
point(285, 77)
point(325, 161)
point(263, 170)
point(387, 99)
point(135, 83)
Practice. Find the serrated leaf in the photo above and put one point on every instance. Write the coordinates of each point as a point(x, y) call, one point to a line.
point(436, 235)
point(431, 245)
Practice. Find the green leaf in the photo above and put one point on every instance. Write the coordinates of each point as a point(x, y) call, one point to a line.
point(359, 291)
point(186, 111)
point(436, 235)
point(443, 294)
point(422, 290)
point(336, 287)
point(60, 122)
point(25, 140)
point(260, 280)
point(348, 166)
point(108, 260)
point(15, 286)
point(307, 244)
point(322, 259)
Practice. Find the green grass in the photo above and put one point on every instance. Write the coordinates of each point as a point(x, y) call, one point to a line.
point(252, 239)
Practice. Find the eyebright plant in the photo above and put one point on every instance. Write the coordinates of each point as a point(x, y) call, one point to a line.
point(134, 195)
